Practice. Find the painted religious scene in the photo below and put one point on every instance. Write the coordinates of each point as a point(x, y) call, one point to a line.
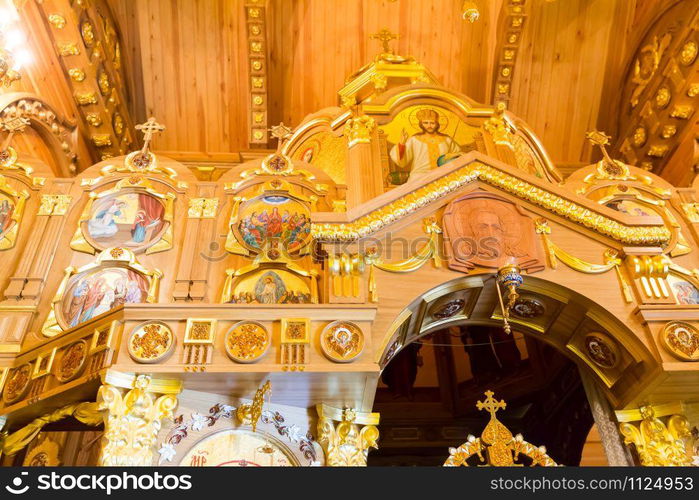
point(100, 291)
point(133, 220)
point(277, 218)
point(272, 287)
point(7, 207)
point(422, 138)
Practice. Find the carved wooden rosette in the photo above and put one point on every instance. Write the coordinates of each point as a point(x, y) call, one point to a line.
point(132, 422)
point(346, 435)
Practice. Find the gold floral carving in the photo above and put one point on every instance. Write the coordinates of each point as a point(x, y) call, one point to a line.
point(17, 383)
point(54, 204)
point(72, 361)
point(658, 443)
point(202, 208)
point(342, 341)
point(247, 342)
point(396, 210)
point(132, 422)
point(501, 448)
point(681, 340)
point(151, 342)
point(346, 435)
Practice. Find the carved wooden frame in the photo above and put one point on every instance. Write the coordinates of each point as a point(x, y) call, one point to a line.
point(111, 257)
point(82, 242)
point(9, 237)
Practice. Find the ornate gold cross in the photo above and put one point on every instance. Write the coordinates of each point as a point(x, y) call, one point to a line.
point(385, 36)
point(149, 129)
point(280, 132)
point(13, 125)
point(598, 138)
point(491, 405)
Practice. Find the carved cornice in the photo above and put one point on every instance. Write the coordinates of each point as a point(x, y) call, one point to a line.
point(577, 211)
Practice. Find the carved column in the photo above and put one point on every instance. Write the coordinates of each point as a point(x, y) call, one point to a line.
point(133, 418)
point(607, 426)
point(346, 435)
point(660, 434)
point(364, 176)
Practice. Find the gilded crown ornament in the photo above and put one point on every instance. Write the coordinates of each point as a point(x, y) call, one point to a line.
point(501, 448)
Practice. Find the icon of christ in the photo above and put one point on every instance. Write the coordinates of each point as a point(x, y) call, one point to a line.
point(421, 152)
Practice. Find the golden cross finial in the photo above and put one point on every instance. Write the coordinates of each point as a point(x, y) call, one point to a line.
point(385, 36)
point(491, 405)
point(13, 125)
point(600, 139)
point(149, 129)
point(280, 132)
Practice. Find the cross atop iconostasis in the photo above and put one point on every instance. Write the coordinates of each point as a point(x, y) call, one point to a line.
point(385, 36)
point(149, 129)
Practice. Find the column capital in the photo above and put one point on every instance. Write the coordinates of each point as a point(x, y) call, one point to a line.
point(346, 435)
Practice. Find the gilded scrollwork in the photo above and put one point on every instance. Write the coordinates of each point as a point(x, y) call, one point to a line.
point(658, 442)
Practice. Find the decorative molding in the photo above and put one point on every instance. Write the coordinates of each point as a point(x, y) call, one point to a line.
point(255, 17)
point(59, 134)
point(512, 29)
point(476, 171)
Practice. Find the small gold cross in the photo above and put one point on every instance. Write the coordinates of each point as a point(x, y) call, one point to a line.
point(385, 36)
point(491, 405)
point(149, 129)
point(600, 139)
point(13, 125)
point(280, 132)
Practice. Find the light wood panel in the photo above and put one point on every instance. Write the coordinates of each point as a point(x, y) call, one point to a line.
point(316, 44)
point(194, 70)
point(557, 84)
point(193, 60)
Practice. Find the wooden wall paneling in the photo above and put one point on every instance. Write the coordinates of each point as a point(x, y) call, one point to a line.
point(194, 70)
point(558, 91)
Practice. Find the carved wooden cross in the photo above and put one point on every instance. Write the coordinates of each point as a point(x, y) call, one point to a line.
point(385, 36)
point(12, 125)
point(491, 405)
point(149, 129)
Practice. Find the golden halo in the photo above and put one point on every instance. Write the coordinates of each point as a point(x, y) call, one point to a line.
point(415, 123)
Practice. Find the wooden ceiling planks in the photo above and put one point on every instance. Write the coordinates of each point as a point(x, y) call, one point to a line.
point(317, 44)
point(194, 70)
point(558, 83)
point(193, 59)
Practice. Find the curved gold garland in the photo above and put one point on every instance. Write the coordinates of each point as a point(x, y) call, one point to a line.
point(611, 259)
point(374, 221)
point(87, 413)
point(428, 251)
